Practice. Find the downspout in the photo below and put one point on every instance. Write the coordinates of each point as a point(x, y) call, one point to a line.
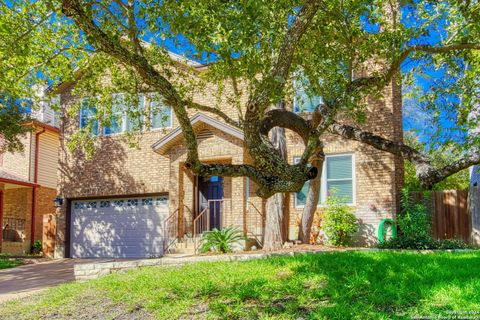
point(34, 188)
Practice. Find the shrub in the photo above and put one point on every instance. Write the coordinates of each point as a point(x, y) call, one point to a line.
point(415, 229)
point(37, 247)
point(452, 244)
point(221, 240)
point(414, 225)
point(339, 223)
point(414, 243)
point(414, 220)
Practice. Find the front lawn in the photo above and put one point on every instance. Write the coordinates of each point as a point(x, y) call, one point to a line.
point(6, 262)
point(341, 285)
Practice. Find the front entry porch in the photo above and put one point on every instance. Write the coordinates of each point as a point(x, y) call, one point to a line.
point(23, 206)
point(16, 207)
point(210, 204)
point(200, 204)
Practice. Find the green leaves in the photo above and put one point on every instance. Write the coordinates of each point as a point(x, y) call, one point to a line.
point(36, 47)
point(338, 221)
point(221, 241)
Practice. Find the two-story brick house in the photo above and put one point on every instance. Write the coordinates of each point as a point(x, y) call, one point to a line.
point(130, 202)
point(28, 183)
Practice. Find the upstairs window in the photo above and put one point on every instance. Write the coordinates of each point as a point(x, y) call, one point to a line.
point(116, 122)
point(303, 101)
point(161, 114)
point(134, 116)
point(338, 177)
point(88, 117)
point(124, 117)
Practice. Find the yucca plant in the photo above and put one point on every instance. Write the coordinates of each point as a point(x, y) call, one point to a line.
point(221, 240)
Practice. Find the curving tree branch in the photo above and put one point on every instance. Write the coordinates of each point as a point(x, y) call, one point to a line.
point(262, 151)
point(425, 171)
point(215, 111)
point(281, 69)
point(285, 119)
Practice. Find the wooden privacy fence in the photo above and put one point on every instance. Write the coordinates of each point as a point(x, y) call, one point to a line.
point(451, 216)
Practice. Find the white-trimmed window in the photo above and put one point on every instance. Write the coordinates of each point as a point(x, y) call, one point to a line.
point(123, 118)
point(303, 101)
point(338, 175)
point(161, 114)
point(116, 123)
point(134, 117)
point(88, 117)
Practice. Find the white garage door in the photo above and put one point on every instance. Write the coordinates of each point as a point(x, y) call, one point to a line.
point(118, 228)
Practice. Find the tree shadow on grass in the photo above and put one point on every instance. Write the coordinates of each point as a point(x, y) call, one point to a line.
point(358, 286)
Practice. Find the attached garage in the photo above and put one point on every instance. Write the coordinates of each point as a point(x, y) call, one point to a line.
point(118, 227)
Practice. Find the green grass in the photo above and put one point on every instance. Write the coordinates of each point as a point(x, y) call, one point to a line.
point(342, 285)
point(6, 262)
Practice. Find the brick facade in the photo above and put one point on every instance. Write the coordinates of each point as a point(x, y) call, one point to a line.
point(117, 169)
point(17, 181)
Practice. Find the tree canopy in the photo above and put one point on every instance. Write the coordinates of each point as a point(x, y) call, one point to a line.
point(36, 46)
point(342, 51)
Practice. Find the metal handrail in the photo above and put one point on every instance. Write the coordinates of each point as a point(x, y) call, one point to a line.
point(262, 217)
point(191, 215)
point(254, 206)
point(166, 231)
point(167, 243)
point(195, 221)
point(202, 222)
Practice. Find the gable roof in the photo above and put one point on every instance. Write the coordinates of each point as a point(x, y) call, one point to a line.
point(164, 144)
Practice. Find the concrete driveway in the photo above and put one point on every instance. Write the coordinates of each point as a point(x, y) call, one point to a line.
point(27, 279)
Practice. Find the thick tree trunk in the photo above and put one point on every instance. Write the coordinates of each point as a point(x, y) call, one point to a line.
point(273, 223)
point(274, 235)
point(313, 195)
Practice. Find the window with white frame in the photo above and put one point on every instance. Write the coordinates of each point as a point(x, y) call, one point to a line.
point(134, 117)
point(124, 117)
point(88, 117)
point(338, 177)
point(161, 114)
point(303, 101)
point(116, 121)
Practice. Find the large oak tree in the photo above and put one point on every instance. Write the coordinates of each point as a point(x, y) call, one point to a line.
point(258, 48)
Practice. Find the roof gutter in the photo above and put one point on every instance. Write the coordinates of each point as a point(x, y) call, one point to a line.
point(18, 182)
point(35, 123)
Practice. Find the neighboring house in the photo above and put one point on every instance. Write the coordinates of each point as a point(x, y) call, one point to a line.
point(28, 182)
point(475, 176)
point(131, 202)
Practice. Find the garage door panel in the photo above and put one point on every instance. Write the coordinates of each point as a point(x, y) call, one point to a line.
point(118, 228)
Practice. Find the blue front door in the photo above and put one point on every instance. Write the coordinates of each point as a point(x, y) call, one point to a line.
point(210, 191)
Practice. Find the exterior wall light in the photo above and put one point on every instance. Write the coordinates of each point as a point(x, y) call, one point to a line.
point(57, 202)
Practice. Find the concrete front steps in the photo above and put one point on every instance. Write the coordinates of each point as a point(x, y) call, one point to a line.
point(183, 247)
